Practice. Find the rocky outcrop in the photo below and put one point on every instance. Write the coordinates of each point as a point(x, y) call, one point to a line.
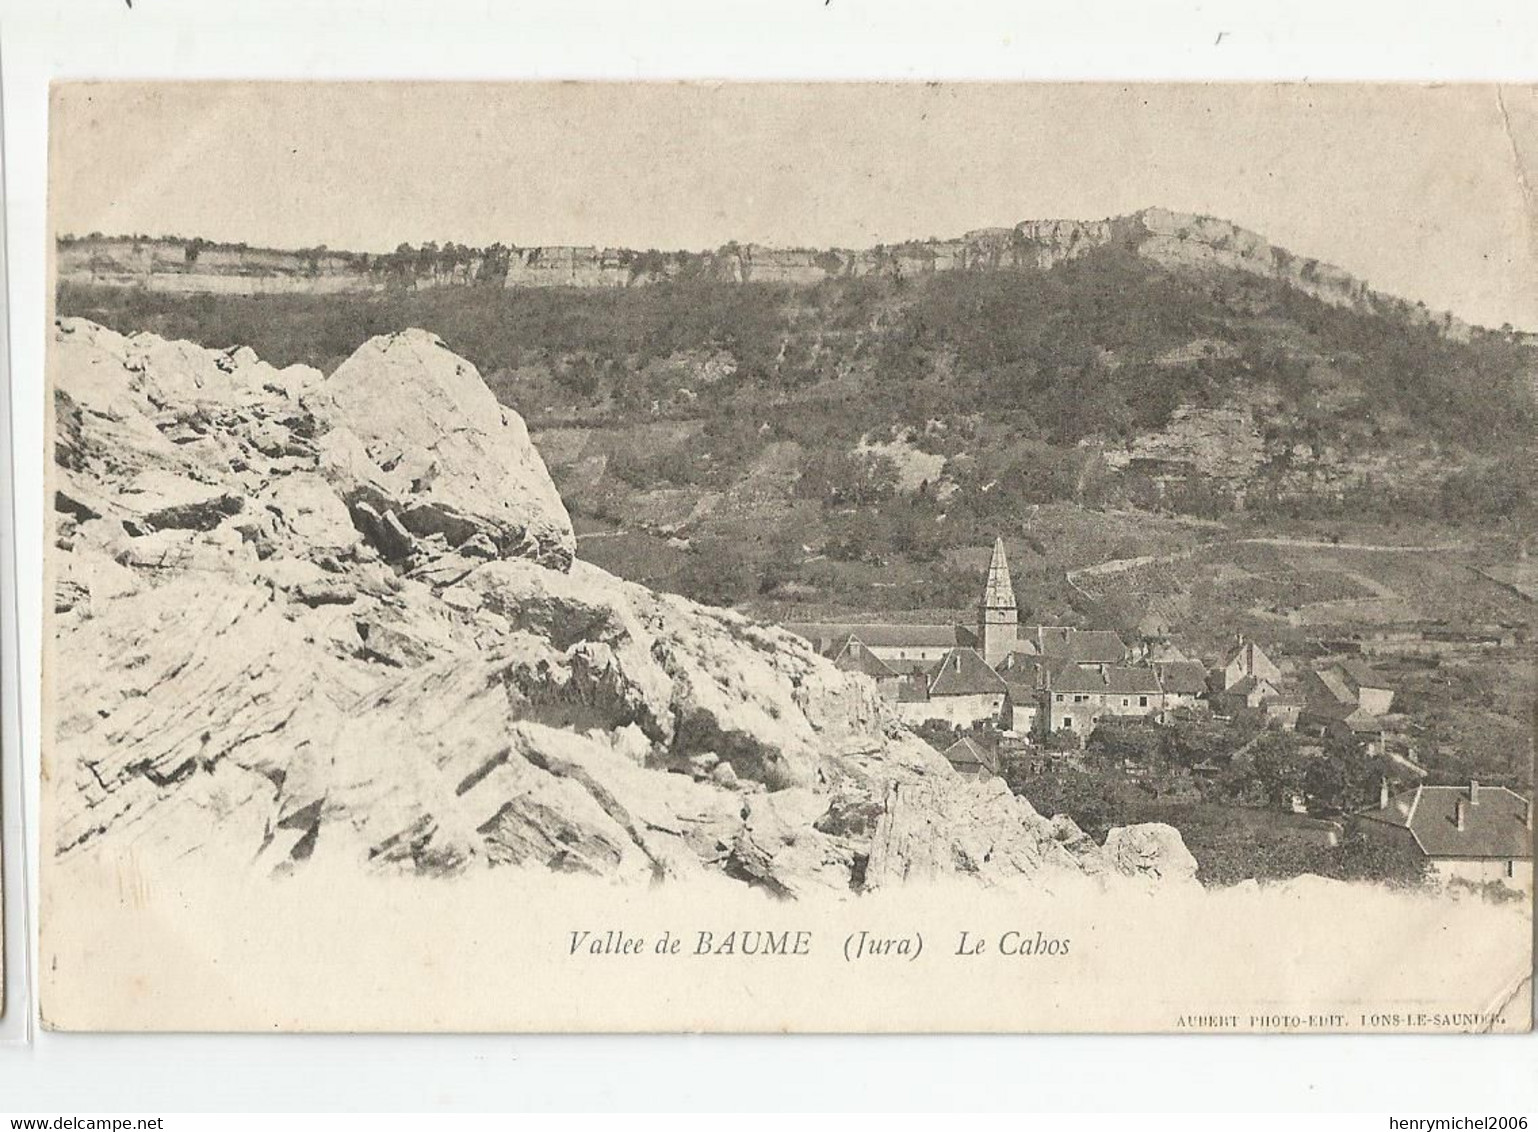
point(1176, 240)
point(412, 430)
point(1223, 444)
point(301, 618)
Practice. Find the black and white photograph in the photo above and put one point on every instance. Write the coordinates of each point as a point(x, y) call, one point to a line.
point(826, 557)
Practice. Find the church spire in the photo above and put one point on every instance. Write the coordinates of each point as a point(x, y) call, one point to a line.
point(997, 615)
point(998, 590)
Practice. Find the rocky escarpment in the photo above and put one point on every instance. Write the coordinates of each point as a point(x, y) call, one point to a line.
point(301, 618)
point(1175, 240)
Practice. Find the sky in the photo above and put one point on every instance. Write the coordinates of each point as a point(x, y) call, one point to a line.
point(1430, 193)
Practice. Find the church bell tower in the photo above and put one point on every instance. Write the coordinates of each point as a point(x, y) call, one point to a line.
point(998, 617)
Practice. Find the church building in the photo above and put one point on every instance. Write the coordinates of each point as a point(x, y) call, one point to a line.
point(994, 671)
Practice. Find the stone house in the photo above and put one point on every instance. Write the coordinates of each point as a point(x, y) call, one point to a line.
point(1183, 682)
point(1250, 693)
point(1086, 648)
point(1470, 833)
point(1075, 698)
point(1349, 683)
point(1346, 699)
point(1249, 662)
point(962, 691)
point(854, 656)
point(926, 644)
point(1025, 679)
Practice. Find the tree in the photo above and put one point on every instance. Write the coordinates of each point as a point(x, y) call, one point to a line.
point(495, 261)
point(1276, 768)
point(783, 565)
point(426, 259)
point(938, 733)
point(716, 573)
point(1394, 861)
point(1117, 741)
point(1081, 796)
point(1324, 784)
point(1062, 739)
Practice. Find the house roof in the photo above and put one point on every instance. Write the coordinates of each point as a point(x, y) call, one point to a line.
point(964, 673)
point(1133, 681)
point(1333, 684)
point(964, 752)
point(1082, 646)
point(1114, 681)
point(1363, 724)
point(1286, 699)
point(998, 591)
point(910, 665)
point(912, 692)
point(1074, 679)
point(855, 657)
point(1239, 653)
point(1249, 684)
point(1022, 670)
point(1182, 677)
point(1495, 826)
point(1098, 646)
point(878, 635)
point(1326, 711)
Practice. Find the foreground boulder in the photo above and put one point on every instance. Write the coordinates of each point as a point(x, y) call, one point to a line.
point(301, 618)
point(415, 432)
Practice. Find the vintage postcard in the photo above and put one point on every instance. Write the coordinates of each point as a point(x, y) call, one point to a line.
point(834, 557)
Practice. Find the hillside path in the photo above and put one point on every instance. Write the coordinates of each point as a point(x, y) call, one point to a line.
point(1325, 544)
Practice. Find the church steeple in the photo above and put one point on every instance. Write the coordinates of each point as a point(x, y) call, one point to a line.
point(997, 615)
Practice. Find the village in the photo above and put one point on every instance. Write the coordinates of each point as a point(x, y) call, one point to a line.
point(1002, 698)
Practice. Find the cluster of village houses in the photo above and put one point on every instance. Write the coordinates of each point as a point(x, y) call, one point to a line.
point(1027, 681)
point(1030, 680)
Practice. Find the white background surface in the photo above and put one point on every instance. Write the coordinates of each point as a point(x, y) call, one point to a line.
point(461, 39)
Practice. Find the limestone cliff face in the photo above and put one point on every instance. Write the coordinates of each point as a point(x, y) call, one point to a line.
point(300, 617)
point(1180, 241)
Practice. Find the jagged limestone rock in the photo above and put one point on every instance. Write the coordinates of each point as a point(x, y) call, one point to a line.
point(301, 619)
point(435, 440)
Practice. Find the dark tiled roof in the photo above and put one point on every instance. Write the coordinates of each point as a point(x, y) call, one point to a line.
point(1073, 679)
point(1021, 670)
point(1185, 677)
point(1496, 826)
point(1098, 646)
point(878, 635)
point(1249, 684)
point(1132, 681)
point(1325, 711)
point(1327, 685)
point(908, 666)
point(1363, 724)
point(1115, 681)
point(855, 657)
point(964, 673)
point(1082, 646)
point(1287, 699)
point(964, 752)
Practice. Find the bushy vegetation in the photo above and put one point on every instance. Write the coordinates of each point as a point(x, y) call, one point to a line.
point(1082, 350)
point(1228, 788)
point(1014, 381)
